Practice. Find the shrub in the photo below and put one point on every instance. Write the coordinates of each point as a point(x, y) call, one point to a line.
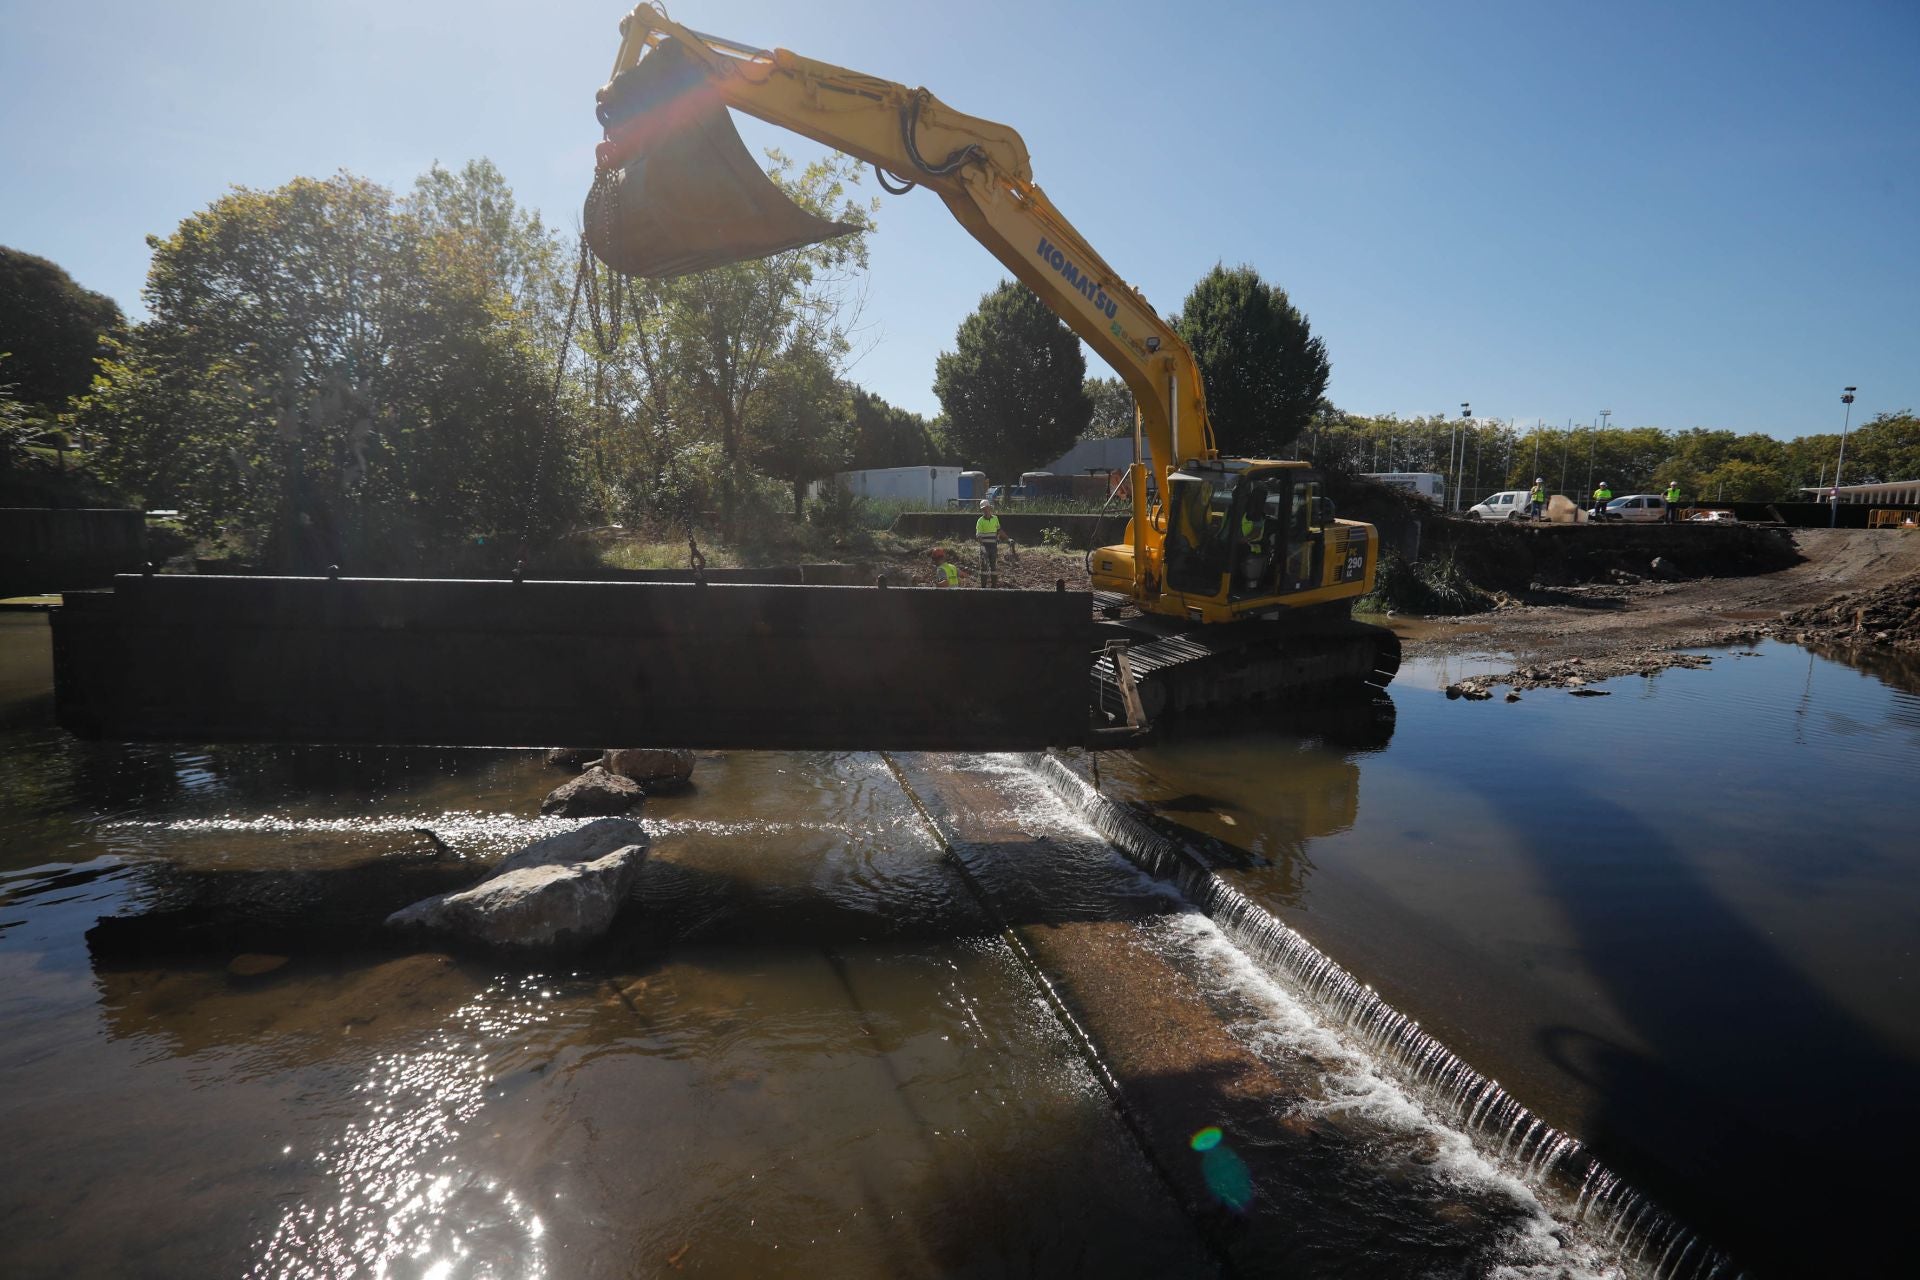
point(1438, 586)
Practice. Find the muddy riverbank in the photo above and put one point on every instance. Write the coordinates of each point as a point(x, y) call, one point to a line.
point(1614, 627)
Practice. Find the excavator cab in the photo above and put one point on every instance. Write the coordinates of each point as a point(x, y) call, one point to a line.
point(1249, 531)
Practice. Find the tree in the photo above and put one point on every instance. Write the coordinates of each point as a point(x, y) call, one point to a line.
point(1264, 371)
point(50, 330)
point(514, 254)
point(1737, 480)
point(1887, 447)
point(15, 424)
point(702, 350)
point(1112, 409)
point(802, 423)
point(1013, 386)
point(885, 435)
point(338, 378)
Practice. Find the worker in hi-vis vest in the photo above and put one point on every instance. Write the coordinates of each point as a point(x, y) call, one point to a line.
point(1253, 534)
point(1537, 499)
point(1601, 497)
point(1673, 501)
point(945, 572)
point(986, 530)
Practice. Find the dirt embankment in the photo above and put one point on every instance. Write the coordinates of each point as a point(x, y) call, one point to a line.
point(1879, 618)
point(1847, 586)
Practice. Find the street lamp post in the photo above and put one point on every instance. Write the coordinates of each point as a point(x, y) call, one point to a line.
point(1593, 442)
point(1833, 509)
point(1460, 466)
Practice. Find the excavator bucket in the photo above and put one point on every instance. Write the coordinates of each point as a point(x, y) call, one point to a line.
point(677, 190)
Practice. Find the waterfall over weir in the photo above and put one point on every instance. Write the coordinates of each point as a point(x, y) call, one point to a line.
point(1643, 1233)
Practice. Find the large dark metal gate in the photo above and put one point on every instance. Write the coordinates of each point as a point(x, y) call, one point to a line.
point(590, 664)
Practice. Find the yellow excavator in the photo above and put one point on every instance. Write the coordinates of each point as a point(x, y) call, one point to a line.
point(1235, 580)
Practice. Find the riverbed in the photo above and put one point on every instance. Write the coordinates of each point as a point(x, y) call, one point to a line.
point(1675, 922)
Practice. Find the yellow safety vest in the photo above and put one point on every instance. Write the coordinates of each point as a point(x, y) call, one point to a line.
point(1673, 493)
point(987, 527)
point(1252, 531)
point(1602, 495)
point(949, 576)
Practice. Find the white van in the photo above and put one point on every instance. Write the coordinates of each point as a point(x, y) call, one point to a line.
point(1508, 504)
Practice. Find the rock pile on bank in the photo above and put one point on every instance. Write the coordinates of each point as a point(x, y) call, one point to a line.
point(1577, 673)
point(1884, 618)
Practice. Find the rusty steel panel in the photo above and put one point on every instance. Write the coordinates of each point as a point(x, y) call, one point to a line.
point(590, 664)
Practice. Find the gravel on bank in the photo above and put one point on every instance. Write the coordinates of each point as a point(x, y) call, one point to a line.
point(1879, 618)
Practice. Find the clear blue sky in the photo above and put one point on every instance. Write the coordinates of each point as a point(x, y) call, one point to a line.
point(1691, 214)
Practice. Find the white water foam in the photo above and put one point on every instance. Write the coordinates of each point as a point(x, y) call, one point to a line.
point(1386, 1067)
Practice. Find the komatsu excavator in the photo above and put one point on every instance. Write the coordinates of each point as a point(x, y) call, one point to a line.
point(1235, 580)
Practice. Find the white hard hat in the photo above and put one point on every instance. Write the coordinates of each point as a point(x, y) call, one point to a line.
point(1539, 479)
point(986, 503)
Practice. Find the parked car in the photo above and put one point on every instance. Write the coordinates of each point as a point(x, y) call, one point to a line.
point(1504, 505)
point(1715, 516)
point(1643, 508)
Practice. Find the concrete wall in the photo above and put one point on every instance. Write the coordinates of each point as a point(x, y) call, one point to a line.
point(46, 549)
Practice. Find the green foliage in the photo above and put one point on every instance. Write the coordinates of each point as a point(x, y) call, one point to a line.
point(1112, 409)
point(1055, 539)
point(1886, 448)
point(1265, 372)
point(1012, 387)
point(802, 424)
point(1437, 586)
point(337, 378)
point(50, 330)
point(710, 359)
point(885, 435)
point(17, 426)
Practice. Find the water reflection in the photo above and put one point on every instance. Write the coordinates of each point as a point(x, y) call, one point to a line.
point(809, 1055)
point(1672, 921)
point(1304, 763)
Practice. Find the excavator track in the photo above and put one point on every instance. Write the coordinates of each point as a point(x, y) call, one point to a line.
point(1237, 664)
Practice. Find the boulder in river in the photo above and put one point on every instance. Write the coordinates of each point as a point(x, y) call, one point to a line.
point(560, 892)
point(654, 768)
point(593, 794)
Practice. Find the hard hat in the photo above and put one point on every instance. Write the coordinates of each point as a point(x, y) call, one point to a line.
point(986, 504)
point(1539, 479)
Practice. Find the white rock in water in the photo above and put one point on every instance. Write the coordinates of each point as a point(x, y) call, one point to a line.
point(582, 844)
point(560, 892)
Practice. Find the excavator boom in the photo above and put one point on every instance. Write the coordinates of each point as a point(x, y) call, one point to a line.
point(979, 168)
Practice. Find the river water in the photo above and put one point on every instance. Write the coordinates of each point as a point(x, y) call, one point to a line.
point(1676, 922)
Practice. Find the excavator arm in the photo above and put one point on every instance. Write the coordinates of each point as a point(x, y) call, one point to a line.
point(979, 168)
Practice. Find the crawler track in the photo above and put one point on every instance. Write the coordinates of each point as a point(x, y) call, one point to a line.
point(1232, 665)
